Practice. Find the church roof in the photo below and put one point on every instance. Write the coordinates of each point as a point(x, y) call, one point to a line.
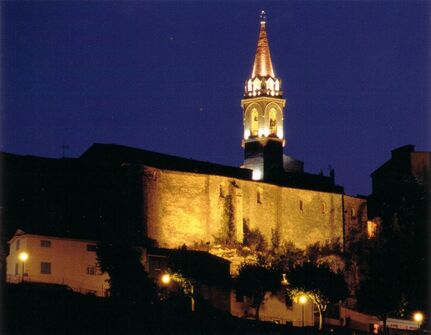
point(262, 66)
point(123, 154)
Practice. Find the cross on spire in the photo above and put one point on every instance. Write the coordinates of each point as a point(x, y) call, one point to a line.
point(262, 17)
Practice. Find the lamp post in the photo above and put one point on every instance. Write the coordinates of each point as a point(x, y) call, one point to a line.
point(302, 300)
point(192, 292)
point(166, 280)
point(418, 317)
point(23, 256)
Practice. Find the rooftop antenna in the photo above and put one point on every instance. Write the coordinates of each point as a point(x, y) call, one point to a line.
point(64, 148)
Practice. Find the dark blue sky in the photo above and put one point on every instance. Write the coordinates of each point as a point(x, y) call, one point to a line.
point(169, 76)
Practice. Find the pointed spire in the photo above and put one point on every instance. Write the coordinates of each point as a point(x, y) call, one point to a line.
point(262, 66)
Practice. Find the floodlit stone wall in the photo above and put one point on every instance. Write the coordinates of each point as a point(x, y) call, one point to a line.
point(194, 209)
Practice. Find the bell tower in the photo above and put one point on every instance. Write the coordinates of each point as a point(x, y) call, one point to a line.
point(262, 106)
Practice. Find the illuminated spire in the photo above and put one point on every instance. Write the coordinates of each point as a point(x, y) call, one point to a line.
point(262, 107)
point(262, 63)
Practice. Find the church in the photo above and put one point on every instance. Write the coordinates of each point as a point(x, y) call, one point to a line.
point(175, 201)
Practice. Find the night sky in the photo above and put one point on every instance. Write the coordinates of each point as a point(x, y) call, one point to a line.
point(168, 76)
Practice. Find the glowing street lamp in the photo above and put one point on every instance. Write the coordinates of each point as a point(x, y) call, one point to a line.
point(165, 279)
point(302, 300)
point(23, 256)
point(418, 317)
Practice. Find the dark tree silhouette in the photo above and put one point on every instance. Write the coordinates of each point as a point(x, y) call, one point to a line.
point(255, 281)
point(321, 285)
point(128, 280)
point(382, 292)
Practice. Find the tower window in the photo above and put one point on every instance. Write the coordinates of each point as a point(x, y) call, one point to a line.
point(259, 196)
point(353, 213)
point(254, 122)
point(250, 86)
point(272, 122)
point(301, 205)
point(323, 208)
point(222, 191)
point(256, 85)
point(270, 84)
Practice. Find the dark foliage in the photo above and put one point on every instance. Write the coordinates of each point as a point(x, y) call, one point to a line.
point(52, 309)
point(322, 285)
point(200, 267)
point(382, 292)
point(287, 256)
point(255, 281)
point(129, 283)
point(401, 198)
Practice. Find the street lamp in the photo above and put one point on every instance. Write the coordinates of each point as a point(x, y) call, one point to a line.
point(302, 300)
point(23, 256)
point(166, 279)
point(418, 317)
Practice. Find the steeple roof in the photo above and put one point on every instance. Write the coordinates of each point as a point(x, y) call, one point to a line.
point(262, 66)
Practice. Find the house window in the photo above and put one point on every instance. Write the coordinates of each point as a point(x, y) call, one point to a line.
point(323, 208)
point(91, 270)
point(91, 247)
point(353, 213)
point(45, 268)
point(45, 244)
point(301, 205)
point(259, 196)
point(17, 244)
point(16, 269)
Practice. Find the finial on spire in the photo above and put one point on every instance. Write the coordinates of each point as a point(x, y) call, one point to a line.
point(262, 17)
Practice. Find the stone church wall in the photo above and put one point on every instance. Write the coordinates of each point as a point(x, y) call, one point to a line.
point(192, 209)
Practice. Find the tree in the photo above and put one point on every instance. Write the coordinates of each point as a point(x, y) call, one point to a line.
point(128, 280)
point(381, 293)
point(287, 257)
point(255, 281)
point(318, 283)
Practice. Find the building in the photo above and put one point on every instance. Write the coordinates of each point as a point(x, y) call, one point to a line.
point(402, 175)
point(172, 202)
point(73, 263)
point(176, 201)
point(400, 202)
point(55, 260)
